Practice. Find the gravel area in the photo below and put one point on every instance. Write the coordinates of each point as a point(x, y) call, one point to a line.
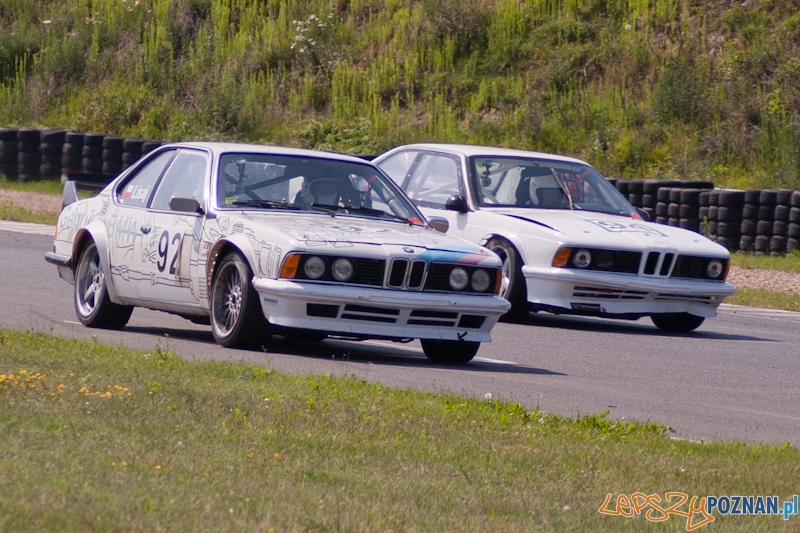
point(33, 201)
point(743, 278)
point(766, 280)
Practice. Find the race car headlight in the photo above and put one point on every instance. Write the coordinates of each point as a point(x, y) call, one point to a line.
point(582, 258)
point(715, 268)
point(480, 280)
point(458, 278)
point(342, 269)
point(314, 267)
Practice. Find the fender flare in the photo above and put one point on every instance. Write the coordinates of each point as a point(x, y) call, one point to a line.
point(237, 242)
point(97, 232)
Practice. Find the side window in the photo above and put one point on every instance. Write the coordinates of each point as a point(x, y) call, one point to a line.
point(185, 177)
point(398, 165)
point(136, 192)
point(435, 179)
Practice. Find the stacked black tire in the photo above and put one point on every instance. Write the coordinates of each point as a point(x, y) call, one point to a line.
point(131, 151)
point(729, 218)
point(780, 227)
point(92, 161)
point(72, 153)
point(8, 152)
point(29, 159)
point(793, 232)
point(750, 221)
point(51, 148)
point(112, 155)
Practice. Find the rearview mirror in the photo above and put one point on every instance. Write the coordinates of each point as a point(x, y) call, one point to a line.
point(440, 224)
point(456, 203)
point(185, 204)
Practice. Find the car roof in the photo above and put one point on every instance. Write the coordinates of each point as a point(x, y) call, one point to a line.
point(218, 148)
point(471, 150)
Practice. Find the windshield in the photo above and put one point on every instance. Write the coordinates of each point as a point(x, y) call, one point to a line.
point(544, 184)
point(264, 181)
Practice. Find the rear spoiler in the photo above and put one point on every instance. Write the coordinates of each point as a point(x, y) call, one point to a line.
point(84, 182)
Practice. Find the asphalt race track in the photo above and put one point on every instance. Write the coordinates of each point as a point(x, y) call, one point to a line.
point(733, 379)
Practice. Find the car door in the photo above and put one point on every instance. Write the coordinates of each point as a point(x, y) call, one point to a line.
point(129, 231)
point(173, 232)
point(429, 179)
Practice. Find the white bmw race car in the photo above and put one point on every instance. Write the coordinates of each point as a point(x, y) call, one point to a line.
point(569, 241)
point(259, 240)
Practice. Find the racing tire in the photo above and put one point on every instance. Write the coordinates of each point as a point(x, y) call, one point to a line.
point(512, 287)
point(677, 322)
point(449, 352)
point(92, 305)
point(236, 317)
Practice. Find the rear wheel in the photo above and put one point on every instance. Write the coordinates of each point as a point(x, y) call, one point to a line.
point(513, 285)
point(236, 317)
point(92, 304)
point(449, 352)
point(677, 322)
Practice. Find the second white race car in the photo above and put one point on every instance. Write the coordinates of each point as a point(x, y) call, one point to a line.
point(569, 241)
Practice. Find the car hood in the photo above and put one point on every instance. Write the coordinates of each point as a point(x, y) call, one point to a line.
point(600, 229)
point(321, 230)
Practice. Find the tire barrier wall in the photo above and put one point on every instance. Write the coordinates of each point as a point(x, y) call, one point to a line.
point(29, 154)
point(760, 221)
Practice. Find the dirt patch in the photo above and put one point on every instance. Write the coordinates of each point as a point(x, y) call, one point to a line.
point(35, 202)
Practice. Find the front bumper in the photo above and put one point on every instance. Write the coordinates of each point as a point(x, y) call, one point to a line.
point(600, 293)
point(379, 313)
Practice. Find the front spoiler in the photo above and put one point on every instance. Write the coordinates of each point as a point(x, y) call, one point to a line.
point(604, 294)
point(379, 313)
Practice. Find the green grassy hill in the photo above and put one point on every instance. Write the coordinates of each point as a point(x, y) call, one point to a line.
point(640, 88)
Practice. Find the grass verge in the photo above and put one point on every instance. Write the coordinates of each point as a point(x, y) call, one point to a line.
point(104, 438)
point(764, 299)
point(789, 262)
point(11, 211)
point(53, 186)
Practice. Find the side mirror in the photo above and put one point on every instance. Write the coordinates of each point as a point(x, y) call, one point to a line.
point(457, 203)
point(440, 224)
point(185, 204)
point(643, 214)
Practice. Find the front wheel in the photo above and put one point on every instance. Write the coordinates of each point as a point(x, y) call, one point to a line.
point(449, 352)
point(236, 317)
point(677, 322)
point(92, 304)
point(512, 287)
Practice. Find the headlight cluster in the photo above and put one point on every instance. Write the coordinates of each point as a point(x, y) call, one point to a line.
point(695, 267)
point(597, 259)
point(463, 278)
point(334, 269)
point(479, 281)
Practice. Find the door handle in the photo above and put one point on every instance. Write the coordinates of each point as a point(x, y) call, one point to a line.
point(145, 228)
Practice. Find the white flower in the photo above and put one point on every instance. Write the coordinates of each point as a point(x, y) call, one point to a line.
point(488, 396)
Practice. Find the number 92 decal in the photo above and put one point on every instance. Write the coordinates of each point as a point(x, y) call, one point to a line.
point(168, 251)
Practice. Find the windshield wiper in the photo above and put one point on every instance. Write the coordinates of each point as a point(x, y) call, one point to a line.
point(375, 212)
point(272, 204)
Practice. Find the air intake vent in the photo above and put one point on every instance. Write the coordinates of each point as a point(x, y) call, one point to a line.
point(417, 276)
point(397, 273)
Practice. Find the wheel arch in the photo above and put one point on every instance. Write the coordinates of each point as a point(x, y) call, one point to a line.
point(95, 232)
point(513, 239)
point(222, 248)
